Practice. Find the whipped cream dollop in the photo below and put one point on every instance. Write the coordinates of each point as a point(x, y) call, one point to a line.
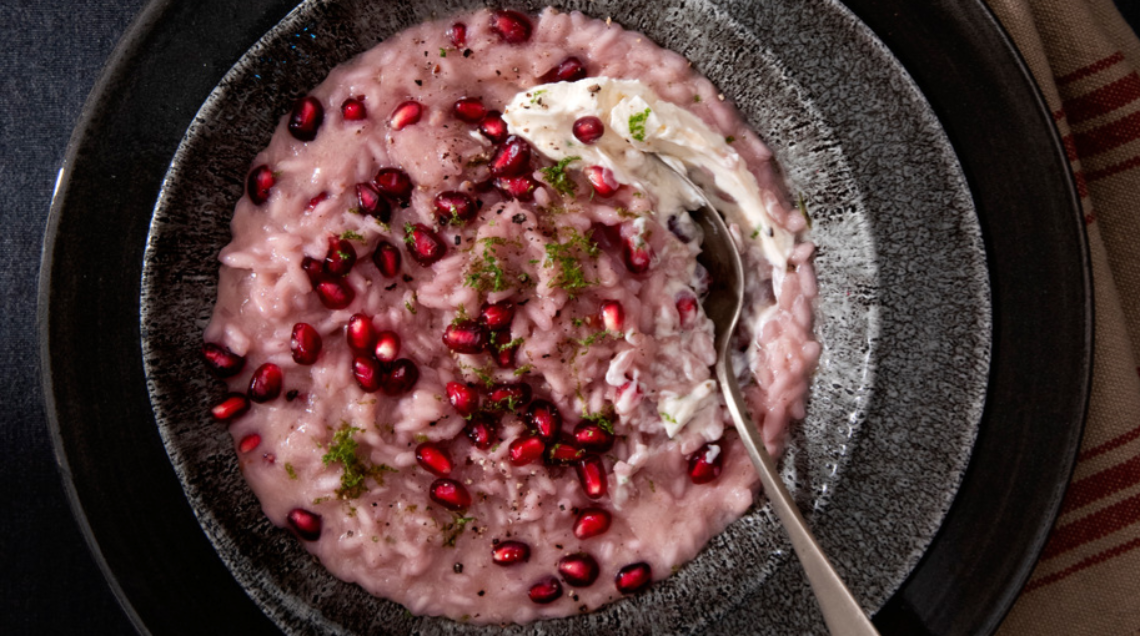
point(640, 129)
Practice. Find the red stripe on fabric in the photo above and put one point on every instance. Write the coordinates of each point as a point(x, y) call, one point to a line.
point(1096, 487)
point(1095, 526)
point(1115, 442)
point(1109, 136)
point(1113, 169)
point(1082, 185)
point(1096, 559)
point(1091, 69)
point(1058, 115)
point(1070, 147)
point(1103, 100)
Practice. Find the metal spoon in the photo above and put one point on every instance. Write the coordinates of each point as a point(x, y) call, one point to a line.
point(719, 255)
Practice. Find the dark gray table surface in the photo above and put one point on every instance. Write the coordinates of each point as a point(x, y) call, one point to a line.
point(49, 583)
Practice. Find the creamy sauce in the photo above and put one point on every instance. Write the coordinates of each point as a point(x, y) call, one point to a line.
point(641, 127)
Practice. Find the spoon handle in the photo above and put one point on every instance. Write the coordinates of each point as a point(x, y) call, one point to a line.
point(840, 610)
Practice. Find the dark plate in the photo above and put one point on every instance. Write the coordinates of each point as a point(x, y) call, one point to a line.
point(131, 506)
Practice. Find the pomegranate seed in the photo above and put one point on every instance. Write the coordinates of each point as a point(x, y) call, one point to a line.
point(702, 467)
point(231, 407)
point(353, 109)
point(519, 188)
point(406, 114)
point(481, 430)
point(570, 69)
point(371, 203)
point(563, 453)
point(493, 127)
point(638, 255)
point(470, 110)
point(306, 118)
point(454, 208)
point(544, 419)
point(578, 570)
point(387, 346)
point(591, 436)
point(602, 179)
point(425, 246)
point(526, 450)
point(249, 442)
point(306, 524)
point(458, 35)
point(401, 378)
point(340, 258)
point(360, 333)
point(545, 591)
point(265, 384)
point(589, 129)
point(260, 184)
point(502, 349)
point(466, 336)
point(512, 26)
point(510, 395)
point(395, 183)
point(511, 158)
point(687, 310)
point(368, 373)
point(335, 293)
point(463, 398)
point(223, 362)
point(591, 522)
point(592, 475)
point(387, 259)
point(433, 459)
point(613, 316)
point(305, 343)
point(315, 270)
point(498, 315)
point(633, 578)
point(317, 200)
point(450, 494)
point(510, 553)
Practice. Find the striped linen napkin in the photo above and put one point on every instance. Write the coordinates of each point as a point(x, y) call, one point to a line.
point(1085, 59)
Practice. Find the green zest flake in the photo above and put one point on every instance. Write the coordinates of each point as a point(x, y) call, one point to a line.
point(803, 210)
point(565, 256)
point(604, 420)
point(696, 99)
point(523, 370)
point(637, 124)
point(343, 452)
point(460, 314)
point(352, 236)
point(536, 95)
point(668, 418)
point(517, 342)
point(729, 139)
point(289, 469)
point(594, 337)
point(755, 232)
point(420, 438)
point(652, 486)
point(409, 235)
point(355, 211)
point(626, 214)
point(409, 307)
point(454, 529)
point(558, 179)
point(442, 52)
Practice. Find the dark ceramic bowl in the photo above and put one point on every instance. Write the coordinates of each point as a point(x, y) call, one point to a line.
point(921, 340)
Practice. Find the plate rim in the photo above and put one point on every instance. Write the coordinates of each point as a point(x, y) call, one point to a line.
point(126, 54)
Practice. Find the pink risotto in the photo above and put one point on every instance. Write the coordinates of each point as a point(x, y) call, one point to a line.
point(476, 380)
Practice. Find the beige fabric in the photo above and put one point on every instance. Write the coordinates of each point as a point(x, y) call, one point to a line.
point(1085, 59)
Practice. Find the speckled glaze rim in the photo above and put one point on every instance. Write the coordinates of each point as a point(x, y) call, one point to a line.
point(904, 317)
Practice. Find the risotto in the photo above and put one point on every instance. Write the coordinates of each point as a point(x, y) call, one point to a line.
point(460, 317)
